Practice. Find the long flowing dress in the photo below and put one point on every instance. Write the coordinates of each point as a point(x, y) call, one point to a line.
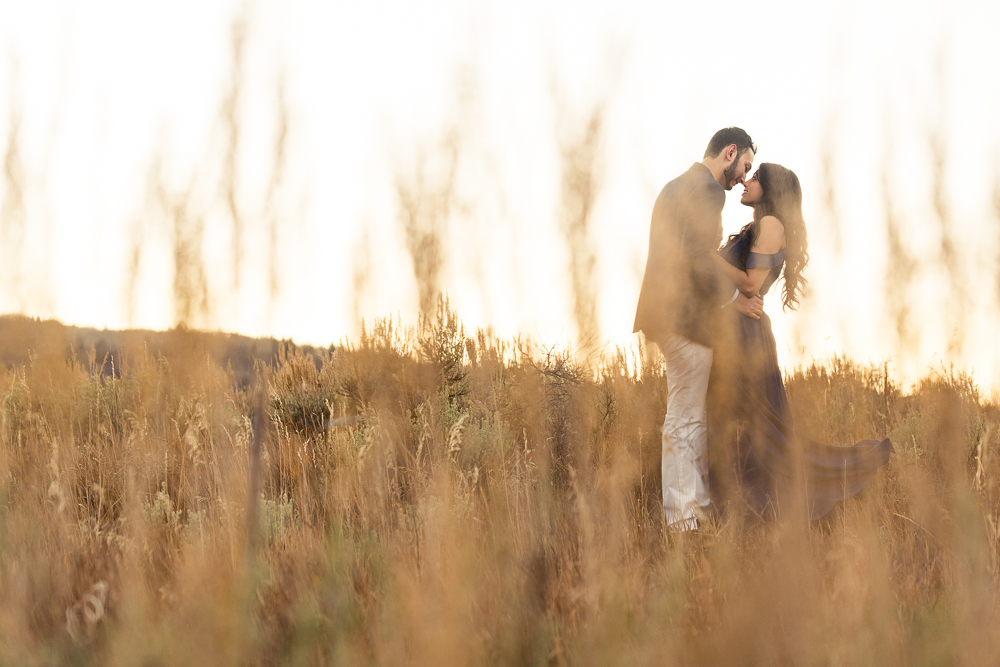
point(771, 462)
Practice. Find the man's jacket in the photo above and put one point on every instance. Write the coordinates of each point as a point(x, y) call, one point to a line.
point(682, 289)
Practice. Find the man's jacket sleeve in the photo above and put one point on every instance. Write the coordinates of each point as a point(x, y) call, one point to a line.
point(701, 230)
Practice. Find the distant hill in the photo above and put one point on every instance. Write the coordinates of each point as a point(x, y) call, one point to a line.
point(27, 340)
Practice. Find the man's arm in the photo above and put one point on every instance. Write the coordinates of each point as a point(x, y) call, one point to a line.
point(700, 241)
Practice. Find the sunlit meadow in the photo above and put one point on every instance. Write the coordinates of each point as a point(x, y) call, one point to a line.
point(426, 490)
point(433, 496)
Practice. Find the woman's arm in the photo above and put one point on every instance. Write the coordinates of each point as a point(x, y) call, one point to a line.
point(745, 281)
point(770, 240)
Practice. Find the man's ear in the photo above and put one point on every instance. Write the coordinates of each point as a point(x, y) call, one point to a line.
point(731, 152)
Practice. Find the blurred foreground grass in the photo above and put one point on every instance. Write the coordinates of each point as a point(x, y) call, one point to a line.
point(429, 497)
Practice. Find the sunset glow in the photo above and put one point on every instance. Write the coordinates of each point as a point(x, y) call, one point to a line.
point(886, 111)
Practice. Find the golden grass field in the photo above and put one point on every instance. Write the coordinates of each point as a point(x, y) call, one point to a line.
point(429, 496)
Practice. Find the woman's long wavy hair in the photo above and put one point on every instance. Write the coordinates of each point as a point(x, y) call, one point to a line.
point(782, 198)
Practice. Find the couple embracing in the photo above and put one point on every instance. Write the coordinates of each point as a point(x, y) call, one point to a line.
point(703, 306)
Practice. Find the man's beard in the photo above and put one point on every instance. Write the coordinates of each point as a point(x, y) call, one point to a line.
point(729, 175)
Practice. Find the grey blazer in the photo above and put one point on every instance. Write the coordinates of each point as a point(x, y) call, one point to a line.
point(682, 289)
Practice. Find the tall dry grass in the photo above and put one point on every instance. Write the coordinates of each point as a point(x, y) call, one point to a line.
point(432, 496)
point(13, 209)
point(580, 184)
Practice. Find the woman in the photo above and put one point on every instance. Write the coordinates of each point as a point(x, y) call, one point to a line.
point(773, 465)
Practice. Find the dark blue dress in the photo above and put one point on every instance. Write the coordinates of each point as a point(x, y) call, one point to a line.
point(772, 463)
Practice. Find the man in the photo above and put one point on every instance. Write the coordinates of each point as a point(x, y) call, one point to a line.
point(681, 299)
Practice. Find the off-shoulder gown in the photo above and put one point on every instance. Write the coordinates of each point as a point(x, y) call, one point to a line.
point(769, 457)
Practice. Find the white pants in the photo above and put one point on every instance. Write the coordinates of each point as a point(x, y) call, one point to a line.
point(685, 431)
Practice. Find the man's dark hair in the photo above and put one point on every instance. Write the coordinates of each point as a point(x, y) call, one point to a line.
point(727, 136)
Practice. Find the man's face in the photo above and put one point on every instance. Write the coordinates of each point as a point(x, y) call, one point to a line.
point(738, 170)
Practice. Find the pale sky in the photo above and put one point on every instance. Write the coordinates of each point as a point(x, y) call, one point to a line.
point(103, 89)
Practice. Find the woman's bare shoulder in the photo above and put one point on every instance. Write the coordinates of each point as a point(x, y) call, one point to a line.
point(771, 238)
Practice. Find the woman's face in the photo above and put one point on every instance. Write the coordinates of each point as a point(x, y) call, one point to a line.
point(752, 190)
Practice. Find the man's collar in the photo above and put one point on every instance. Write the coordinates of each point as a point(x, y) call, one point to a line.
point(705, 171)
